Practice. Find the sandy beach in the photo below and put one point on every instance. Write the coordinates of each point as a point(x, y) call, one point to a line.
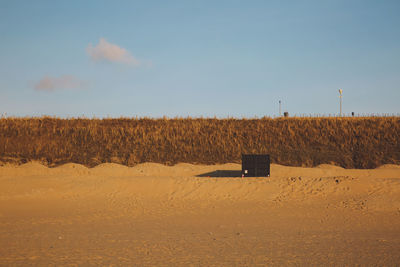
point(197, 215)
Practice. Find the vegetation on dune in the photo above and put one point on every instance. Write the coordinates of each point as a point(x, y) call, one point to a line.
point(349, 142)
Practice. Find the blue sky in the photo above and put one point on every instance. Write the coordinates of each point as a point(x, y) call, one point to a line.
point(198, 58)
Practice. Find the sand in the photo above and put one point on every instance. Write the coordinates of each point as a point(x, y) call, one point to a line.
point(191, 215)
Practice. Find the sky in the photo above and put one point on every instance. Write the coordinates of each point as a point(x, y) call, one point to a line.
point(198, 58)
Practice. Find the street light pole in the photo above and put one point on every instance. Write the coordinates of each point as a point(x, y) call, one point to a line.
point(340, 96)
point(280, 113)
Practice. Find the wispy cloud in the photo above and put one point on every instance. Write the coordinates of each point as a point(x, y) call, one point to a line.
point(105, 51)
point(50, 84)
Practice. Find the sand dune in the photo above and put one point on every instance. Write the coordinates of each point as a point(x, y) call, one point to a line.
point(185, 214)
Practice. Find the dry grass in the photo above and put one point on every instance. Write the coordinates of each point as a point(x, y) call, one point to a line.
point(348, 142)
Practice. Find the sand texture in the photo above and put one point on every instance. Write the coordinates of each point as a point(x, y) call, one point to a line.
point(197, 215)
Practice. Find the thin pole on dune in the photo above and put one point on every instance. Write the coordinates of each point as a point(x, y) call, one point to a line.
point(280, 108)
point(340, 97)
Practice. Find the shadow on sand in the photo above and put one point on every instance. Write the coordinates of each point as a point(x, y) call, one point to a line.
point(222, 173)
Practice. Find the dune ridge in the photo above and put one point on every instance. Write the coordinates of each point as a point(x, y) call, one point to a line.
point(364, 142)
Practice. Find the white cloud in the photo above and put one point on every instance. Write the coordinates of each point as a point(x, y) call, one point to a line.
point(50, 84)
point(105, 51)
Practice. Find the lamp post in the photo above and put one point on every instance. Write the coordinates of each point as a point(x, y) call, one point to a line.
point(280, 113)
point(340, 97)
